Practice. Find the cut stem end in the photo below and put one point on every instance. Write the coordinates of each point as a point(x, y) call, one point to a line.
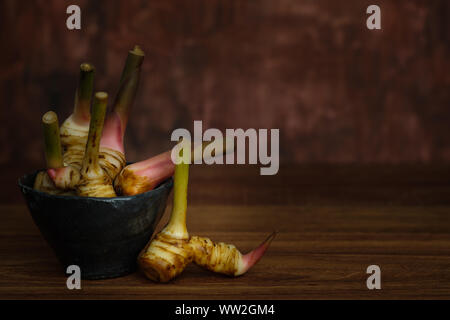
point(83, 95)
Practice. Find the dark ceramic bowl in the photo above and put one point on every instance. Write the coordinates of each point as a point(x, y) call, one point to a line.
point(103, 236)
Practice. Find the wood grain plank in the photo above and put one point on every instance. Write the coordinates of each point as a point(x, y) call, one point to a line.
point(320, 252)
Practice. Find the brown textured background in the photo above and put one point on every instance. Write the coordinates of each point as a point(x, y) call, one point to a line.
point(338, 92)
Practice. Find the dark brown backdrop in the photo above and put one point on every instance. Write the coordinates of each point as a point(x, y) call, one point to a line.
point(337, 91)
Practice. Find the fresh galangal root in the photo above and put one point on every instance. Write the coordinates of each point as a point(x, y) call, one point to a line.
point(112, 152)
point(145, 175)
point(168, 254)
point(94, 182)
point(75, 129)
point(164, 258)
point(44, 182)
point(225, 258)
point(65, 178)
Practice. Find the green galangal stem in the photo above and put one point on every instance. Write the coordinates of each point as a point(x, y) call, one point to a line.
point(53, 152)
point(83, 95)
point(129, 82)
point(95, 132)
point(177, 223)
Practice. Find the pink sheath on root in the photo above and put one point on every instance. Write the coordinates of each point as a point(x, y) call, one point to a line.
point(112, 137)
point(52, 173)
point(146, 175)
point(159, 162)
point(112, 154)
point(251, 258)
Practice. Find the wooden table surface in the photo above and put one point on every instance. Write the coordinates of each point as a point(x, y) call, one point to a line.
point(333, 222)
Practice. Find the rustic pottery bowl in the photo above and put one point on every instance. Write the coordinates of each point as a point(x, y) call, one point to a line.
point(103, 236)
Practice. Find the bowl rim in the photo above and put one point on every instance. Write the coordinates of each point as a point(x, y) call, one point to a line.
point(166, 184)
